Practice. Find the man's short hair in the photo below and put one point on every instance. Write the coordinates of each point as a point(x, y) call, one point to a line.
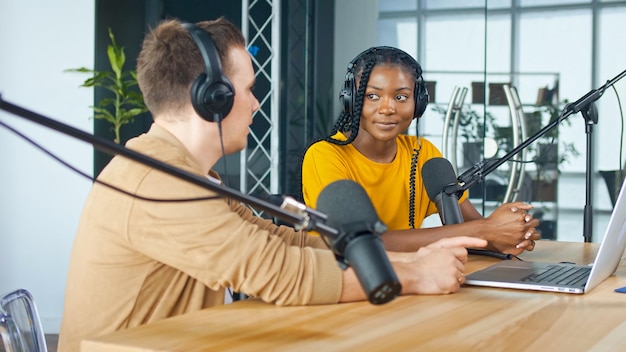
point(170, 61)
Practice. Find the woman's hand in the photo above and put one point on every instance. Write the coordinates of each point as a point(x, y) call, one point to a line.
point(511, 229)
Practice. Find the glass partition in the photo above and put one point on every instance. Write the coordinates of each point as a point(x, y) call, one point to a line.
point(550, 53)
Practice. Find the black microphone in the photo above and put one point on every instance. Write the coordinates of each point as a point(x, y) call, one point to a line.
point(443, 189)
point(350, 211)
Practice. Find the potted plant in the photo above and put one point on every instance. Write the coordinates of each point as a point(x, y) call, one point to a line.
point(549, 152)
point(126, 101)
point(472, 129)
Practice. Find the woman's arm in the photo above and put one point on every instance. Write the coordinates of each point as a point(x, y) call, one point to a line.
point(509, 229)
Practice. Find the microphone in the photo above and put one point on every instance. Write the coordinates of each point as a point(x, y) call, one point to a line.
point(358, 244)
point(443, 189)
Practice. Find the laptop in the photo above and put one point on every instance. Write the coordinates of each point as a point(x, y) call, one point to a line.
point(562, 277)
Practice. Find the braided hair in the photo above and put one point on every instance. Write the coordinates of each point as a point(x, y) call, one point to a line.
point(361, 68)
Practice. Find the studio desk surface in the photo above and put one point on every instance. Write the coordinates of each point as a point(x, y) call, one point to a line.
point(473, 319)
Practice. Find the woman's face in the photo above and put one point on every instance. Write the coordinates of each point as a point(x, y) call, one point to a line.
point(388, 103)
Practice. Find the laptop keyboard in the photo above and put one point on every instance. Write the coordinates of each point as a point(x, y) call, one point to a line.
point(560, 275)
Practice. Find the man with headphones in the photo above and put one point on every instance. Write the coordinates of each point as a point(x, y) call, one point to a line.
point(168, 247)
point(368, 145)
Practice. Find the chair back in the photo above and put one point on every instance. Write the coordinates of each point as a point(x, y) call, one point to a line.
point(7, 329)
point(19, 323)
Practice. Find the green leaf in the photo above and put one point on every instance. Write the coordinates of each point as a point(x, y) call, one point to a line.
point(79, 70)
point(104, 114)
point(106, 102)
point(130, 83)
point(136, 111)
point(113, 61)
point(126, 103)
point(112, 37)
point(90, 82)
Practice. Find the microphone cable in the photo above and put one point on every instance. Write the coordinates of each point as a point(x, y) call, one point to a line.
point(493, 254)
point(620, 167)
point(93, 179)
point(416, 153)
point(219, 129)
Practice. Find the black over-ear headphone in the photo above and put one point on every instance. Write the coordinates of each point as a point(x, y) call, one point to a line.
point(212, 94)
point(348, 93)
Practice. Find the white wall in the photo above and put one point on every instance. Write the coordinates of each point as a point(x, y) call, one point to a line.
point(41, 200)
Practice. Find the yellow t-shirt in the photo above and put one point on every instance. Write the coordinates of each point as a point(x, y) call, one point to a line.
point(387, 184)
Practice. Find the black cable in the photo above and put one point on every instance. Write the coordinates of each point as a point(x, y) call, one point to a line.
point(621, 139)
point(416, 153)
point(493, 254)
point(219, 128)
point(76, 170)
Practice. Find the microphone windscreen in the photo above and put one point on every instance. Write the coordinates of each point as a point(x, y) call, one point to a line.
point(349, 209)
point(346, 202)
point(437, 173)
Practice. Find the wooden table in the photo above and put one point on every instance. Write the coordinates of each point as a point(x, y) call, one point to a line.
point(473, 319)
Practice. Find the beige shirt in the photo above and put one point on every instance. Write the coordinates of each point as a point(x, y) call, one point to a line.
point(136, 261)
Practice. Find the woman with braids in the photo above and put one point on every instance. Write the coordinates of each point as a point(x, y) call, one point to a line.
point(383, 92)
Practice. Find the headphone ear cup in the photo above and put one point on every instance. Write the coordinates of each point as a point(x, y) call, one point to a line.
point(346, 97)
point(421, 98)
point(212, 100)
point(212, 94)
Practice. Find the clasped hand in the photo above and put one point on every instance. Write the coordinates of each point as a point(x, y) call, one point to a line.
point(512, 228)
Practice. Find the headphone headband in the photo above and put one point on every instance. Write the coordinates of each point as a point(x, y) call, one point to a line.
point(373, 50)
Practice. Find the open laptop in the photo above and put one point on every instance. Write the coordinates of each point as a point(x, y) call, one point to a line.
point(562, 277)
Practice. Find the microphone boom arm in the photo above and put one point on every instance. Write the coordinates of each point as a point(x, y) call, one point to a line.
point(301, 217)
point(477, 173)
